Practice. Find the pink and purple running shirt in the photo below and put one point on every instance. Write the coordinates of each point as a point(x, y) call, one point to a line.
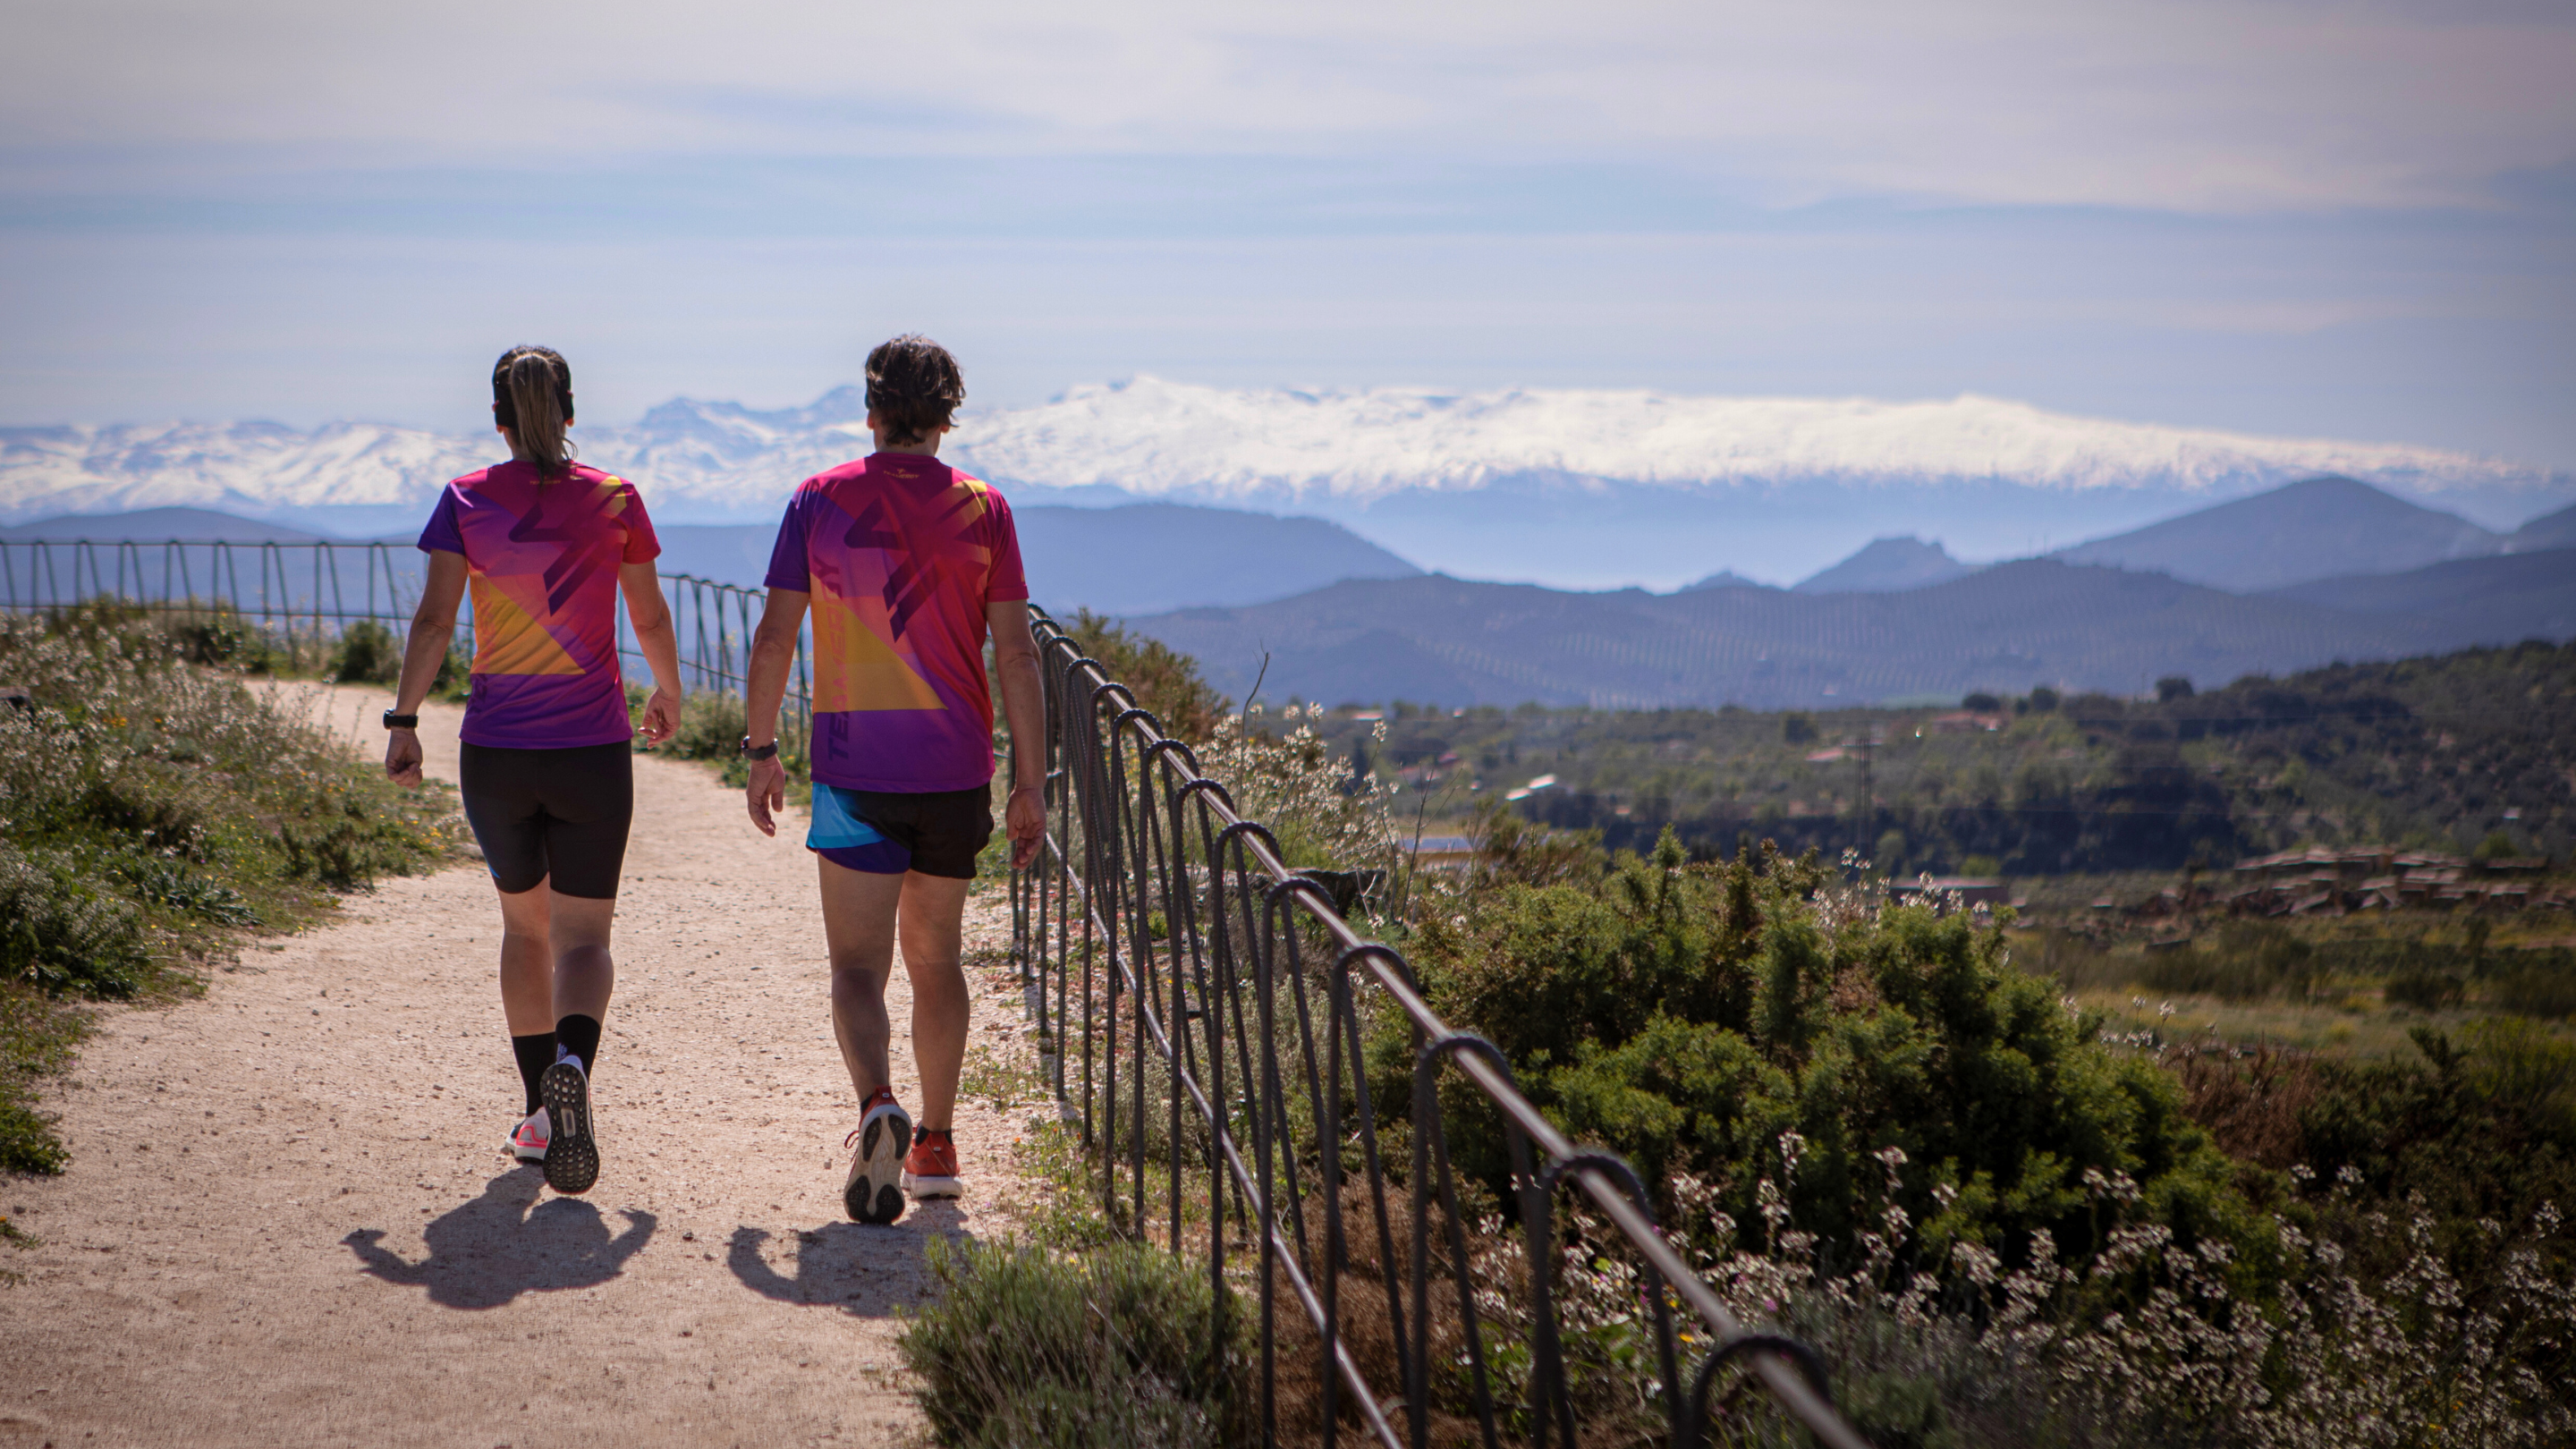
point(543, 558)
point(900, 553)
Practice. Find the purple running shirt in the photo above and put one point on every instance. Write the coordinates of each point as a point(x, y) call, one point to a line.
point(900, 554)
point(542, 561)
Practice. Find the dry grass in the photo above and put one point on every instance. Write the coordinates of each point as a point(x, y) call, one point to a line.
point(2360, 1025)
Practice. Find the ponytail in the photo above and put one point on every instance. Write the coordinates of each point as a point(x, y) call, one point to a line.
point(532, 397)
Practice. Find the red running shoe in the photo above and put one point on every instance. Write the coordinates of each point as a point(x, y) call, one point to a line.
point(930, 1170)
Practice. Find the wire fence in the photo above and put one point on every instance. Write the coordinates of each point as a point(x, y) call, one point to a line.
point(1203, 1012)
point(305, 596)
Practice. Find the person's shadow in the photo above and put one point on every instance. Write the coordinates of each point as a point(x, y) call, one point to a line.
point(864, 1271)
point(489, 1251)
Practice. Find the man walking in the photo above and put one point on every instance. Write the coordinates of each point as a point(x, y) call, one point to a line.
point(905, 562)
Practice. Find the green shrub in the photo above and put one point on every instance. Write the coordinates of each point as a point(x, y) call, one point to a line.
point(711, 727)
point(2527, 1071)
point(2480, 1129)
point(1917, 1381)
point(2426, 991)
point(2536, 983)
point(59, 933)
point(1124, 1346)
point(161, 882)
point(343, 841)
point(368, 653)
point(216, 634)
point(36, 1038)
point(1717, 1021)
point(454, 681)
point(1162, 679)
point(148, 803)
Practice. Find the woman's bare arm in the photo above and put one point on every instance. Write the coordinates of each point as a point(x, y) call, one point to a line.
point(433, 625)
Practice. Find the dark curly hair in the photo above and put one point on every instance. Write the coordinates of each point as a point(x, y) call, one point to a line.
point(913, 387)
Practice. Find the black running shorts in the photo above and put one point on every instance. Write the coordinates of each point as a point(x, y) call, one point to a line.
point(884, 832)
point(554, 817)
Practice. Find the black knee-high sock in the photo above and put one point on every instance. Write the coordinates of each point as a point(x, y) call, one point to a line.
point(535, 1054)
point(579, 1035)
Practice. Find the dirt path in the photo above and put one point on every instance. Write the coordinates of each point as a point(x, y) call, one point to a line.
point(289, 1220)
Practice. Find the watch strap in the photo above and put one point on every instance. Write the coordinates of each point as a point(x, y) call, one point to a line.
point(395, 721)
point(764, 752)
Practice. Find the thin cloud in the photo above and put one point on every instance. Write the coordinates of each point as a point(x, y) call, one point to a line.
point(2246, 105)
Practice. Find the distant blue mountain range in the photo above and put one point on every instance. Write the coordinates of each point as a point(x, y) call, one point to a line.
point(1138, 559)
point(2314, 571)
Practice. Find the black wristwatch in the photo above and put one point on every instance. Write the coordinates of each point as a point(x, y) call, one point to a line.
point(765, 752)
point(395, 721)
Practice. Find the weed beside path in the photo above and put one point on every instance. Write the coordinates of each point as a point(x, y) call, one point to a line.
point(154, 811)
point(289, 1219)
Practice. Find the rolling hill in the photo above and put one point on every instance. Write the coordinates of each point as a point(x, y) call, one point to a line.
point(2007, 627)
point(2552, 530)
point(1137, 559)
point(2314, 529)
point(1887, 565)
point(156, 525)
point(2500, 600)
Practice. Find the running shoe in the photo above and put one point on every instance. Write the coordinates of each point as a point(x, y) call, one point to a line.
point(931, 1168)
point(873, 1192)
point(572, 1158)
point(528, 1139)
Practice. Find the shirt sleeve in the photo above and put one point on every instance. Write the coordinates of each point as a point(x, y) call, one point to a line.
point(642, 544)
point(1006, 581)
point(788, 567)
point(442, 535)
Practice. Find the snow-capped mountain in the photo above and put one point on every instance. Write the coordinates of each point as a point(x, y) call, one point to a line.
point(259, 469)
point(1581, 488)
point(1275, 446)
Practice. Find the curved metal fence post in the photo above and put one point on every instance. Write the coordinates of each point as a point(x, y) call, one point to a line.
point(1616, 1167)
point(1808, 1360)
point(1430, 1142)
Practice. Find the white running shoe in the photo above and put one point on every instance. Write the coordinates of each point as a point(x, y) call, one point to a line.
point(528, 1139)
point(873, 1192)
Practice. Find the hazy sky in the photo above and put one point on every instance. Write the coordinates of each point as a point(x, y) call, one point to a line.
point(2354, 219)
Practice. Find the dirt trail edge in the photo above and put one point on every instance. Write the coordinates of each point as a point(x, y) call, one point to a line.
point(289, 1219)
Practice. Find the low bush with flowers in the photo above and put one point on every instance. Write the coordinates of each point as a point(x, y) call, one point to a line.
point(149, 805)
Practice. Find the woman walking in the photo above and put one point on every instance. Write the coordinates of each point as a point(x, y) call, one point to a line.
point(547, 770)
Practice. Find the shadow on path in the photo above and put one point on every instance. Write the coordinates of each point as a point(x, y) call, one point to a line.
point(489, 1251)
point(865, 1271)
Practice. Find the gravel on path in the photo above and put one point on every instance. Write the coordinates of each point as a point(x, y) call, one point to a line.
point(290, 1220)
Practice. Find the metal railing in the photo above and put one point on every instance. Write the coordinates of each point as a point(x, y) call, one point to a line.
point(1172, 960)
point(306, 594)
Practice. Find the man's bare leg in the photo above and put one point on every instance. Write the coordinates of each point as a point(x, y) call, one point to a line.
point(858, 934)
point(861, 911)
point(933, 930)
